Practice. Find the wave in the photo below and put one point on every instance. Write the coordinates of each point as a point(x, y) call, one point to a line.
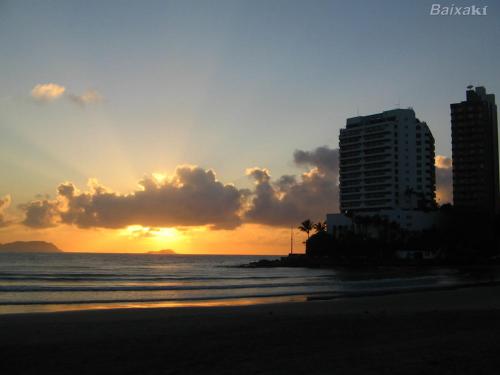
point(309, 295)
point(126, 277)
point(143, 288)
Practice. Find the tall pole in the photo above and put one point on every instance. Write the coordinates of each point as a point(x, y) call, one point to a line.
point(291, 239)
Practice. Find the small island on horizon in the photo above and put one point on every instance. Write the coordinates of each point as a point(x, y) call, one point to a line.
point(29, 247)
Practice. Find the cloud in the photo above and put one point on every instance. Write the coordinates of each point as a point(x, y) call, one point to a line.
point(323, 158)
point(443, 162)
point(41, 213)
point(291, 199)
point(194, 197)
point(4, 204)
point(88, 97)
point(444, 179)
point(47, 92)
point(191, 197)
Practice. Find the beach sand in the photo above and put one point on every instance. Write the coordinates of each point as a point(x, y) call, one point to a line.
point(432, 332)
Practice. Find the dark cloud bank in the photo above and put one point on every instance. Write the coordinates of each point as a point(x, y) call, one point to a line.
point(291, 199)
point(193, 196)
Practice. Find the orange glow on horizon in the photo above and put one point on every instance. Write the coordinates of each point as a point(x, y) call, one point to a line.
point(247, 239)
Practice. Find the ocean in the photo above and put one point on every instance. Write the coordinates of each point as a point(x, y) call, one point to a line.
point(72, 281)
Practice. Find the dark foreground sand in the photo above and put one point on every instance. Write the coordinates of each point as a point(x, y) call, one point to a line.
point(439, 332)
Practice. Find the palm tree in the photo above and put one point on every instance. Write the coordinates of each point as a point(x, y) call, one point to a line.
point(306, 226)
point(320, 226)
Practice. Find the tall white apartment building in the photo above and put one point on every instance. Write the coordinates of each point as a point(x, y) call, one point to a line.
point(386, 163)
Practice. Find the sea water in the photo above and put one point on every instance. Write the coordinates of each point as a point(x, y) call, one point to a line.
point(66, 281)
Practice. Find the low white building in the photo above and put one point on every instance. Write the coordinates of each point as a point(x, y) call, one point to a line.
point(336, 224)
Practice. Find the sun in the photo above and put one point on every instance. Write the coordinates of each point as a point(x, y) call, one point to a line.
point(165, 232)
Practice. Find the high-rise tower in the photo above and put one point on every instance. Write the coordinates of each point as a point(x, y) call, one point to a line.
point(474, 134)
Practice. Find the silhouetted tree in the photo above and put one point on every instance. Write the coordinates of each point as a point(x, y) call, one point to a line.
point(306, 226)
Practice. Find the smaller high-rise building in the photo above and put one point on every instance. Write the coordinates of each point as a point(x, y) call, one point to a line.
point(474, 133)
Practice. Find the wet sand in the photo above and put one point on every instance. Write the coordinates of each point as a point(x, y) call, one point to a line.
point(432, 332)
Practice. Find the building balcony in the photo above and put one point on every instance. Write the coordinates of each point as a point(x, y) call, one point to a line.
point(377, 181)
point(377, 188)
point(348, 155)
point(383, 143)
point(349, 200)
point(350, 142)
point(351, 162)
point(376, 165)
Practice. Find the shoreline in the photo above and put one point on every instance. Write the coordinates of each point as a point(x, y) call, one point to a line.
point(302, 260)
point(58, 307)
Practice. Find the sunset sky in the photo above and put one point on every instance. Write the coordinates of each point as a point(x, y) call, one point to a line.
point(210, 126)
